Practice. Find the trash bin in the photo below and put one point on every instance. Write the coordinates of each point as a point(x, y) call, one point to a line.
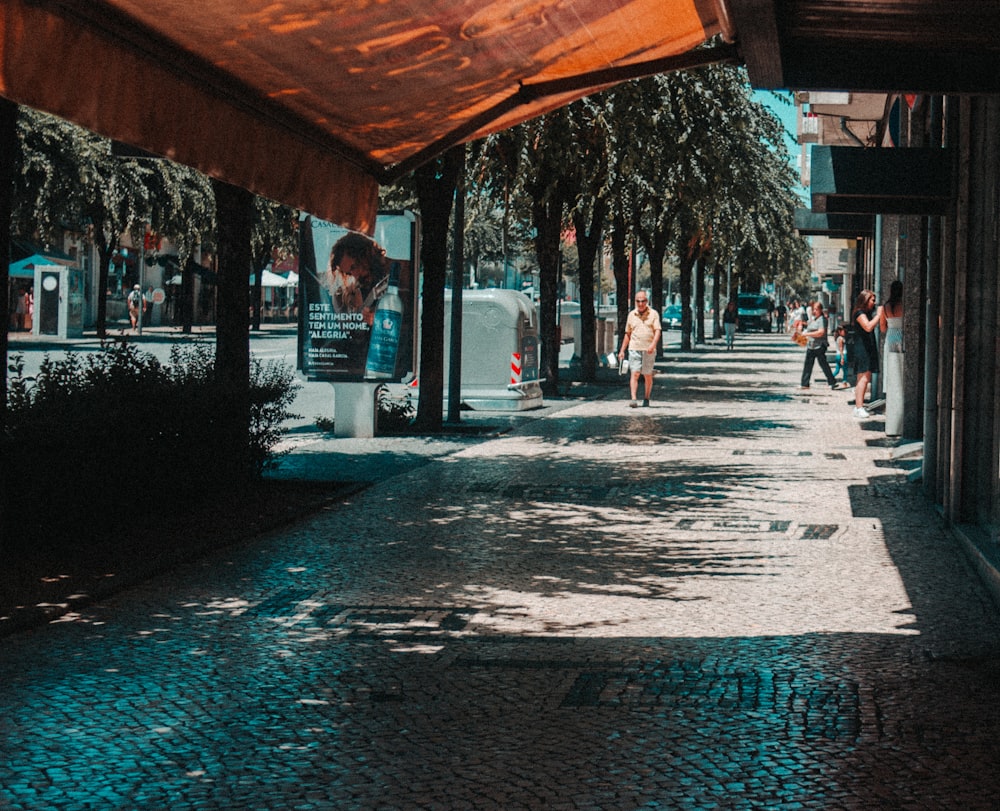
point(499, 350)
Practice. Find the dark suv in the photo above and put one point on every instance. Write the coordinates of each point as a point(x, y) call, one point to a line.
point(754, 313)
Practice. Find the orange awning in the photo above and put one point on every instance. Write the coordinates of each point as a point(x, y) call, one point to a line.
point(314, 102)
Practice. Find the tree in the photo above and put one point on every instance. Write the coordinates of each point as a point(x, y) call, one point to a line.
point(530, 163)
point(548, 192)
point(8, 142)
point(589, 176)
point(434, 184)
point(68, 179)
point(274, 236)
point(232, 353)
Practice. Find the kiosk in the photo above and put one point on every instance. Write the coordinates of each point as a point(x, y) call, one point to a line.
point(59, 301)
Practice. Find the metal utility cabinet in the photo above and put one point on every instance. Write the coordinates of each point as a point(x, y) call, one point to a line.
point(499, 350)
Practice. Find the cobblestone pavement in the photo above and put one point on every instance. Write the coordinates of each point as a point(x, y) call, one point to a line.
point(731, 599)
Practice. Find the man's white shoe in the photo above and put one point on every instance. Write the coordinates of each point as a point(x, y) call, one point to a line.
point(861, 414)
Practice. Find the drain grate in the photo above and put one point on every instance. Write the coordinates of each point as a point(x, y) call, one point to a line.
point(808, 707)
point(371, 621)
point(299, 607)
point(281, 604)
point(771, 452)
point(818, 532)
point(733, 525)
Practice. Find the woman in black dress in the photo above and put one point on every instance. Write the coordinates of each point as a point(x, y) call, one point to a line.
point(864, 318)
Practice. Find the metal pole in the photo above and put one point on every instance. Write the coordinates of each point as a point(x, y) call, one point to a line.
point(142, 282)
point(932, 335)
point(457, 283)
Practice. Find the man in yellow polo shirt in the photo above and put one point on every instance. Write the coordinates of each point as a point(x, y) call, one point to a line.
point(642, 336)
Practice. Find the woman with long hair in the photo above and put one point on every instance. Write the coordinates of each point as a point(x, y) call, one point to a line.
point(891, 324)
point(892, 318)
point(865, 316)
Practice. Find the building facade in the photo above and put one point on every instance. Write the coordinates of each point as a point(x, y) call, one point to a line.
point(928, 214)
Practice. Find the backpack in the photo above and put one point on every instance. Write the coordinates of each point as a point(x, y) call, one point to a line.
point(134, 298)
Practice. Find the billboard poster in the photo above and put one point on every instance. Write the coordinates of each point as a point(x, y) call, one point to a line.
point(357, 299)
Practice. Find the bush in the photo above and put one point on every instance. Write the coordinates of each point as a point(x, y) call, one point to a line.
point(395, 415)
point(91, 440)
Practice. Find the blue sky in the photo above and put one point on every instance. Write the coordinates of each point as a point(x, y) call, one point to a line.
point(775, 101)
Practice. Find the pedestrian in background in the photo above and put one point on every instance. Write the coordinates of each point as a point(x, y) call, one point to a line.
point(21, 311)
point(840, 347)
point(135, 306)
point(798, 316)
point(730, 321)
point(815, 333)
point(891, 319)
point(865, 316)
point(642, 336)
point(891, 324)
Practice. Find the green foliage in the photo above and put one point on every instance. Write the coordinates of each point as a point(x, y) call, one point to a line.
point(395, 414)
point(68, 180)
point(91, 437)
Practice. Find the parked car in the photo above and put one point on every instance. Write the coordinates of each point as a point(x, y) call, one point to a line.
point(671, 318)
point(754, 313)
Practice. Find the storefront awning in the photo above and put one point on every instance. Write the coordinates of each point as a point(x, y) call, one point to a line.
point(314, 104)
point(836, 226)
point(854, 180)
point(917, 46)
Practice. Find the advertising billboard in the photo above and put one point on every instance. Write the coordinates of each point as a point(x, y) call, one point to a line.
point(358, 299)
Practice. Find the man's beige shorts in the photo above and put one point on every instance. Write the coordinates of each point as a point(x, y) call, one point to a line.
point(641, 362)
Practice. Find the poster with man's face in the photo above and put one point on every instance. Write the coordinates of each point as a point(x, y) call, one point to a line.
point(342, 277)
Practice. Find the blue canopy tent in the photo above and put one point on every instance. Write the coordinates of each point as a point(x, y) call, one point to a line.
point(25, 268)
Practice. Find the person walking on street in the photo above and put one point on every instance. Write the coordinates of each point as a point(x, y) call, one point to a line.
point(136, 306)
point(864, 318)
point(642, 336)
point(815, 332)
point(730, 320)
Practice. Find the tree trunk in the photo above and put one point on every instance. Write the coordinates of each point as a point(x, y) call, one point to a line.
point(187, 296)
point(457, 285)
point(8, 148)
point(699, 302)
point(716, 299)
point(588, 244)
point(547, 220)
point(104, 253)
point(619, 266)
point(655, 256)
point(259, 263)
point(655, 244)
point(435, 186)
point(687, 260)
point(234, 207)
